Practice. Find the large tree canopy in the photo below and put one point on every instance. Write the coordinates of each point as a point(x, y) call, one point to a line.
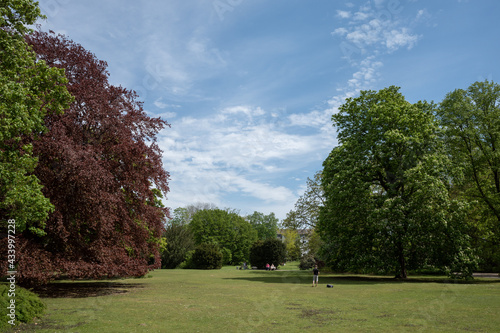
point(230, 231)
point(471, 120)
point(102, 169)
point(28, 91)
point(265, 225)
point(387, 205)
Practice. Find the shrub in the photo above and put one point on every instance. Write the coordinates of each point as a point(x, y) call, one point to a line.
point(227, 256)
point(307, 262)
point(188, 262)
point(270, 251)
point(207, 256)
point(28, 306)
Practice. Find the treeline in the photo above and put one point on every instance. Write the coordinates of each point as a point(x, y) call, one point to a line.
point(196, 226)
point(410, 186)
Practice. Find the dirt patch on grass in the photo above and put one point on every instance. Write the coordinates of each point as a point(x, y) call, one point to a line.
point(309, 313)
point(83, 289)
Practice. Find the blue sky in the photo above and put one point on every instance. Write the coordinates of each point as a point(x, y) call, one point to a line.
point(249, 86)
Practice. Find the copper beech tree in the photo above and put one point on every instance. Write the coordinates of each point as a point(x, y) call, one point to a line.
point(101, 168)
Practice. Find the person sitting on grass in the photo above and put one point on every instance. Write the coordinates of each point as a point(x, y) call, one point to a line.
point(273, 267)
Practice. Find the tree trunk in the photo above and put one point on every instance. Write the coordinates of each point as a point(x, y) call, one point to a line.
point(402, 266)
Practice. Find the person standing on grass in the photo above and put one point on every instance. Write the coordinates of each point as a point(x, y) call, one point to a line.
point(315, 275)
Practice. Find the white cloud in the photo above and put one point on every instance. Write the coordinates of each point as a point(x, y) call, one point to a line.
point(399, 38)
point(420, 13)
point(247, 110)
point(366, 76)
point(361, 16)
point(340, 31)
point(161, 105)
point(343, 14)
point(377, 30)
point(237, 149)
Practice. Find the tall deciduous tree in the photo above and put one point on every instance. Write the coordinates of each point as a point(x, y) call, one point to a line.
point(102, 170)
point(292, 243)
point(230, 231)
point(180, 241)
point(28, 91)
point(265, 225)
point(387, 202)
point(471, 119)
point(306, 211)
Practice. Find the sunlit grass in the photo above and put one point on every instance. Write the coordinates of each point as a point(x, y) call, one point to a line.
point(231, 300)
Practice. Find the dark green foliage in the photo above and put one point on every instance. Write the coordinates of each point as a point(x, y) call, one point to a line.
point(471, 122)
point(270, 251)
point(179, 242)
point(28, 305)
point(307, 262)
point(188, 262)
point(207, 256)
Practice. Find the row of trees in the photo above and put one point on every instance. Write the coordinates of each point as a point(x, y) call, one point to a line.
point(410, 186)
point(234, 235)
point(414, 185)
point(80, 170)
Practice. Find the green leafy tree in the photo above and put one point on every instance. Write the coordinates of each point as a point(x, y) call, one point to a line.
point(207, 256)
point(230, 231)
point(387, 201)
point(29, 90)
point(305, 214)
point(313, 245)
point(270, 251)
point(292, 244)
point(471, 120)
point(183, 215)
point(306, 211)
point(265, 225)
point(180, 241)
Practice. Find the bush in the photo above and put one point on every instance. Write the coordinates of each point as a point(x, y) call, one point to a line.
point(270, 251)
point(227, 256)
point(188, 262)
point(28, 306)
point(307, 262)
point(207, 256)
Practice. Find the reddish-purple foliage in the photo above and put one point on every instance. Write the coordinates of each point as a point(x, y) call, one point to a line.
point(99, 163)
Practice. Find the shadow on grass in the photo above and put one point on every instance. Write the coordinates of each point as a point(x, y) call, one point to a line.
point(83, 289)
point(326, 278)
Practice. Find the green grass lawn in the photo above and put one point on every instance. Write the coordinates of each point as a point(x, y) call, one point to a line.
point(230, 300)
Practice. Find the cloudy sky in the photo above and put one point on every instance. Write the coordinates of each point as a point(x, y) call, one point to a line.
point(249, 86)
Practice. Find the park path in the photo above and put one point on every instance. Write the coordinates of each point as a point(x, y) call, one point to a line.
point(486, 275)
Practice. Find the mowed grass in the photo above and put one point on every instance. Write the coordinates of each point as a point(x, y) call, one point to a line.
point(230, 300)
